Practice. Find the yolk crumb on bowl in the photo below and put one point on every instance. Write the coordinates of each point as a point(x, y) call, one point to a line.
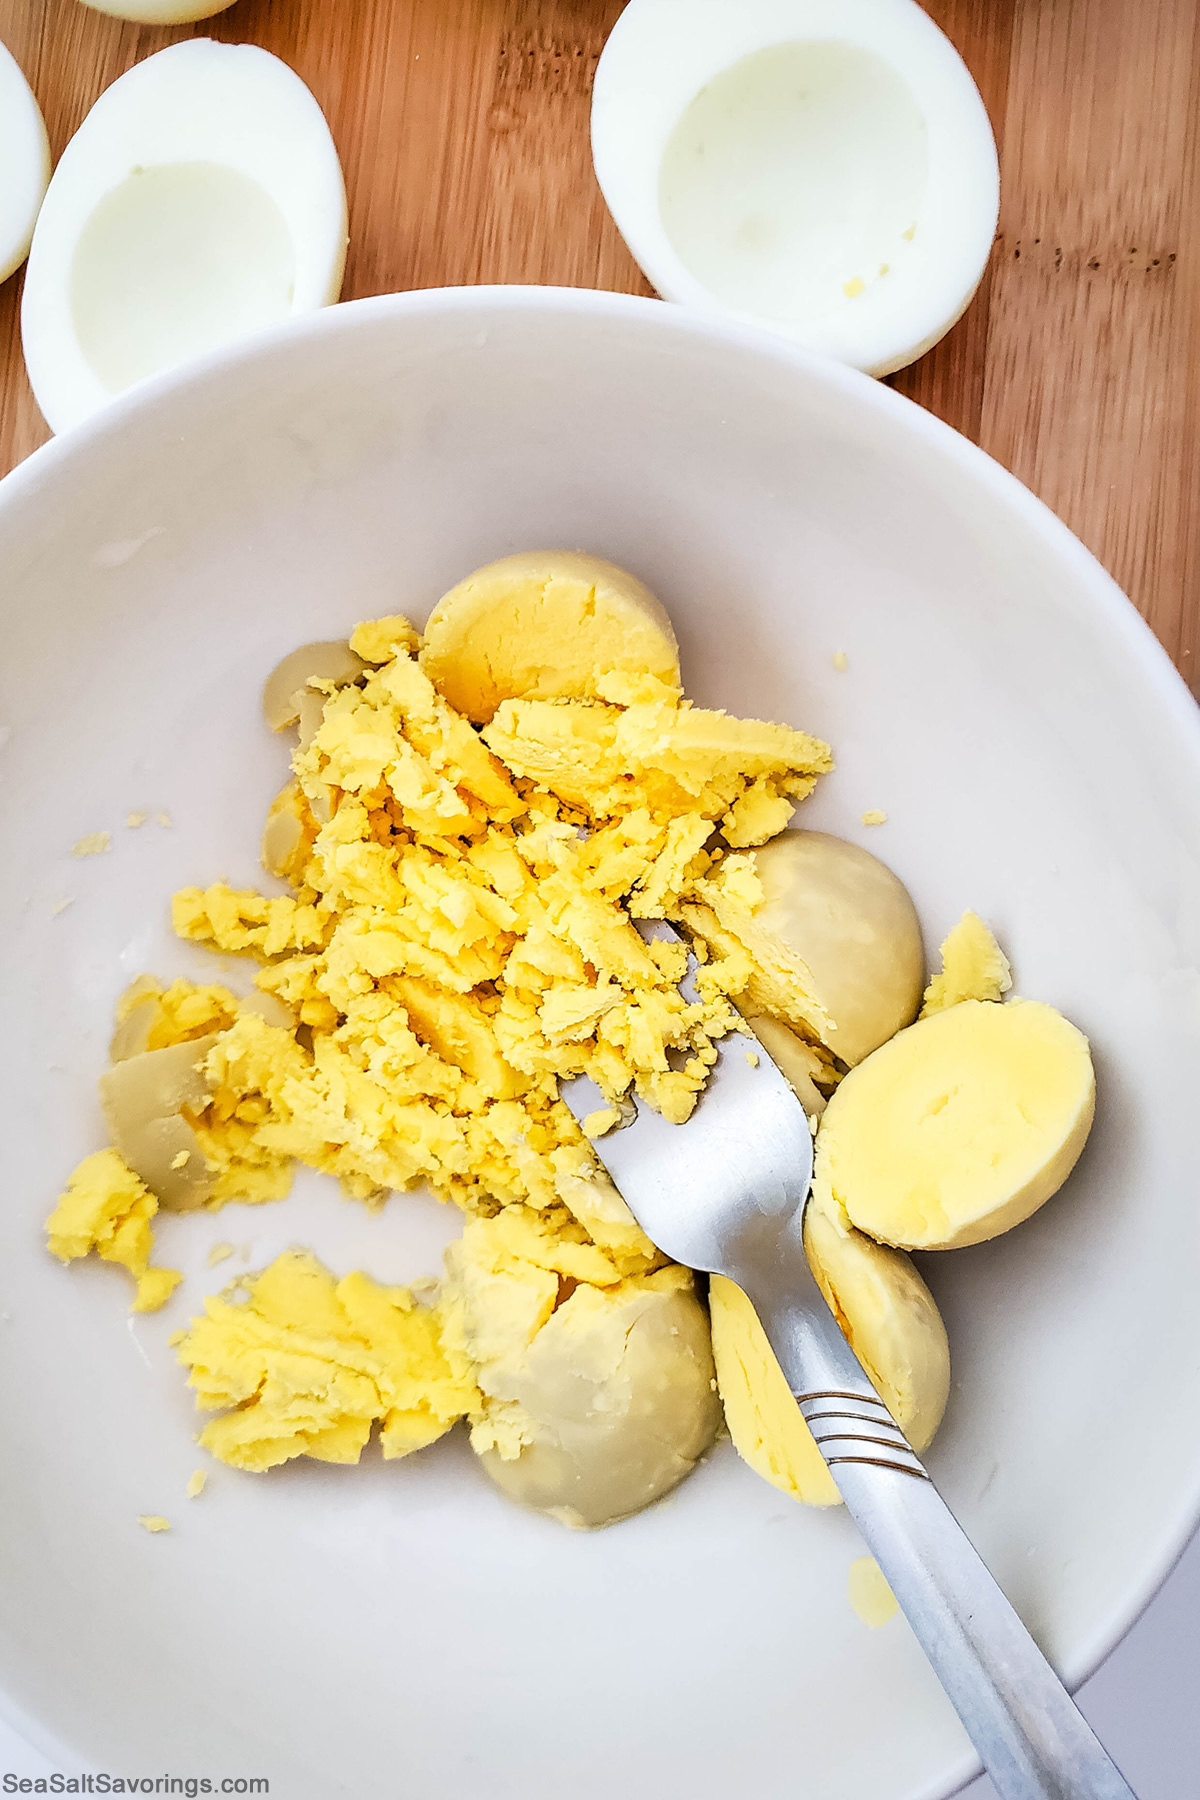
point(107, 1208)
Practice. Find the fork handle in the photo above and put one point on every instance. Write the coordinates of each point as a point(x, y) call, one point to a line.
point(1032, 1739)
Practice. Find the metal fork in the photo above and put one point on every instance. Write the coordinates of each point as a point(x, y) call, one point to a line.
point(725, 1193)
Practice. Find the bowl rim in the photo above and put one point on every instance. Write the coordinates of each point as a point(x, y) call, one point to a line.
point(1115, 612)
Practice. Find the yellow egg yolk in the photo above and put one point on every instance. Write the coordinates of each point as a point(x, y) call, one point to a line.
point(108, 1209)
point(307, 1366)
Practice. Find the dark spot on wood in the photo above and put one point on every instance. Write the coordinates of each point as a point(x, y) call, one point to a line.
point(538, 66)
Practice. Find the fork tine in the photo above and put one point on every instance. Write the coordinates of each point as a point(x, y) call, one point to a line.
point(714, 1192)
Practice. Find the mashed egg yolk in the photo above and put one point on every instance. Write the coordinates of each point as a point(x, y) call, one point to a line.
point(460, 934)
point(308, 1366)
point(457, 935)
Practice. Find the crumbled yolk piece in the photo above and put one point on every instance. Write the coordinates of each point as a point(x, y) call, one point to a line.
point(869, 1594)
point(94, 844)
point(974, 967)
point(309, 1365)
point(377, 640)
point(178, 1013)
point(153, 1522)
point(107, 1208)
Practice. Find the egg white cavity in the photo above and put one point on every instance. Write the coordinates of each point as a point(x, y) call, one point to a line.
point(200, 200)
point(24, 164)
point(825, 168)
point(173, 262)
point(793, 177)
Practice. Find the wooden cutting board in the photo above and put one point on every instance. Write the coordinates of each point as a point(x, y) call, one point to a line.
point(463, 129)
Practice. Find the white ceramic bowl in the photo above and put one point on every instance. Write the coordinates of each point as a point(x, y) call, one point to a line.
point(402, 1628)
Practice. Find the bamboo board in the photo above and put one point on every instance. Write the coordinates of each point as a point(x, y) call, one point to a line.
point(463, 130)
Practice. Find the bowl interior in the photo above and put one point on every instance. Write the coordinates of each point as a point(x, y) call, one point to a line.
point(402, 1627)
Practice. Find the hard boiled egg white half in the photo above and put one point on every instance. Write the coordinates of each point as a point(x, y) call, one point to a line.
point(821, 168)
point(160, 12)
point(24, 164)
point(200, 200)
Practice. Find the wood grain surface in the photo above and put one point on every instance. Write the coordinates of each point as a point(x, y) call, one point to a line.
point(463, 129)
